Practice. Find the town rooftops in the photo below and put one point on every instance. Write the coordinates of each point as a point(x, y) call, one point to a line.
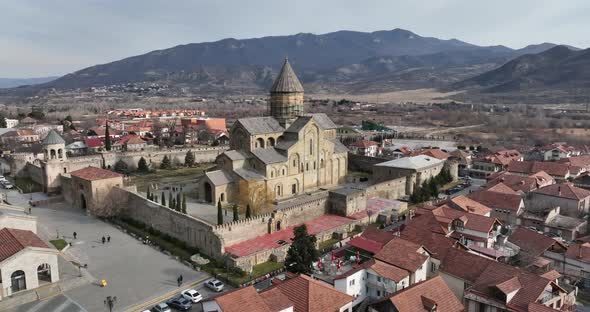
point(389, 271)
point(564, 190)
point(532, 242)
point(579, 251)
point(414, 163)
point(503, 157)
point(287, 81)
point(243, 299)
point(501, 188)
point(429, 295)
point(403, 254)
point(471, 221)
point(432, 152)
point(497, 200)
point(94, 174)
point(469, 205)
point(53, 138)
point(13, 240)
point(364, 144)
point(552, 168)
point(310, 295)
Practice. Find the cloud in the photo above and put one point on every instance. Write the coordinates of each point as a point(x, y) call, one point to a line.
point(56, 37)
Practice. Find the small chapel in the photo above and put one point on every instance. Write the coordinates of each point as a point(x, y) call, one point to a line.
point(277, 157)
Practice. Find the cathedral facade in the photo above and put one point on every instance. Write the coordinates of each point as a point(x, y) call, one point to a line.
point(280, 156)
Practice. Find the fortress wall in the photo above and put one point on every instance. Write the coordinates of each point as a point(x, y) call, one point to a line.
point(390, 189)
point(193, 231)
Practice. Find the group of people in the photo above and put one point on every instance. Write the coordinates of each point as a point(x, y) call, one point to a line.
point(104, 239)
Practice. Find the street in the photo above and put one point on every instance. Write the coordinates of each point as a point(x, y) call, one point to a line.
point(135, 273)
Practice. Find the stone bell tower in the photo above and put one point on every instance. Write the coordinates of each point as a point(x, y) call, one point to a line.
point(286, 96)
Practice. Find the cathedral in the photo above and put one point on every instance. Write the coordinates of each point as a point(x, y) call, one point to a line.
point(277, 157)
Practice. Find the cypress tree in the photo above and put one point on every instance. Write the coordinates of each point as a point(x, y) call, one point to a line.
point(178, 203)
point(148, 193)
point(219, 213)
point(189, 159)
point(184, 203)
point(170, 200)
point(163, 199)
point(165, 163)
point(107, 137)
point(172, 204)
point(235, 212)
point(302, 252)
point(142, 165)
point(248, 212)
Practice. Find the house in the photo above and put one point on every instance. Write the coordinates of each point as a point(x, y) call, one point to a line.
point(77, 148)
point(492, 163)
point(399, 264)
point(372, 240)
point(558, 151)
point(430, 295)
point(551, 221)
point(559, 171)
point(506, 207)
point(432, 152)
point(521, 184)
point(299, 294)
point(576, 262)
point(19, 136)
point(467, 204)
point(417, 169)
point(582, 161)
point(468, 228)
point(130, 143)
point(574, 201)
point(365, 148)
point(26, 262)
point(11, 123)
point(534, 246)
point(486, 285)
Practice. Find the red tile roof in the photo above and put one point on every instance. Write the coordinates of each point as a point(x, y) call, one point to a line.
point(372, 240)
point(582, 161)
point(564, 190)
point(469, 205)
point(364, 144)
point(94, 173)
point(422, 296)
point(389, 271)
point(276, 300)
point(501, 188)
point(436, 153)
point(310, 295)
point(579, 252)
point(503, 157)
point(552, 168)
point(497, 200)
point(531, 242)
point(474, 222)
point(13, 240)
point(515, 182)
point(403, 254)
point(242, 299)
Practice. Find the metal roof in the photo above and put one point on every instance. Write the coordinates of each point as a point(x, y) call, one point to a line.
point(260, 125)
point(53, 138)
point(287, 81)
point(415, 162)
point(269, 155)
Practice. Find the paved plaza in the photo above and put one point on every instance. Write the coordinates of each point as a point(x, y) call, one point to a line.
point(134, 272)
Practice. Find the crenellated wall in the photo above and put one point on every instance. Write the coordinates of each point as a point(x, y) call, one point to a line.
point(193, 231)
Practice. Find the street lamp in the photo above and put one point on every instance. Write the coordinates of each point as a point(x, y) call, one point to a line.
point(110, 302)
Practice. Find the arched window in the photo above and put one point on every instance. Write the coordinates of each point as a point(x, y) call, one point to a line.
point(307, 167)
point(18, 281)
point(260, 142)
point(271, 142)
point(52, 152)
point(60, 153)
point(222, 197)
point(310, 146)
point(283, 171)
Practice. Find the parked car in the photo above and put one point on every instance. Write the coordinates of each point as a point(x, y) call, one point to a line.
point(179, 303)
point(192, 295)
point(215, 285)
point(7, 185)
point(2, 178)
point(162, 307)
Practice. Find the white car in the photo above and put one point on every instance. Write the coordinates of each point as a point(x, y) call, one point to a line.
point(215, 285)
point(192, 295)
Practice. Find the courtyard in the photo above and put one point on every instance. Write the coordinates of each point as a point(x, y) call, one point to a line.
point(134, 272)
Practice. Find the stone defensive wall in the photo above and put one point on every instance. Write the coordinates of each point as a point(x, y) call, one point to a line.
point(155, 156)
point(363, 163)
point(390, 189)
point(35, 173)
point(195, 232)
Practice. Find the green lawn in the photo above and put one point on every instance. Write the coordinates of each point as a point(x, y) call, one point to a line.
point(27, 185)
point(176, 176)
point(449, 185)
point(325, 244)
point(58, 243)
point(236, 279)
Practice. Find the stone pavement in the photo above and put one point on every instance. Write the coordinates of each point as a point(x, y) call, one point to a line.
point(134, 271)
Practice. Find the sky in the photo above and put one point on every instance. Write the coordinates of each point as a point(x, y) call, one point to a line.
point(55, 37)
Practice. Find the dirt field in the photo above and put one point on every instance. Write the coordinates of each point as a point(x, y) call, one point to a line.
point(417, 96)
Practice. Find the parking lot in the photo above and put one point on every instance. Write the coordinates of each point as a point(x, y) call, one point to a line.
point(135, 273)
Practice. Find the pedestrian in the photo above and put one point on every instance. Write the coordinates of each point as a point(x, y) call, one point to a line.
point(75, 235)
point(180, 277)
point(103, 239)
point(109, 238)
point(179, 281)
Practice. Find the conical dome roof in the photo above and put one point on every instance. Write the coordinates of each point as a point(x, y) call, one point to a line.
point(53, 138)
point(287, 81)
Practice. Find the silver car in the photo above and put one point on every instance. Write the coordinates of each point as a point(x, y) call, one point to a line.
point(215, 285)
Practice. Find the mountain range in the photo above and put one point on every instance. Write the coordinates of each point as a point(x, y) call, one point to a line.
point(16, 82)
point(343, 61)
